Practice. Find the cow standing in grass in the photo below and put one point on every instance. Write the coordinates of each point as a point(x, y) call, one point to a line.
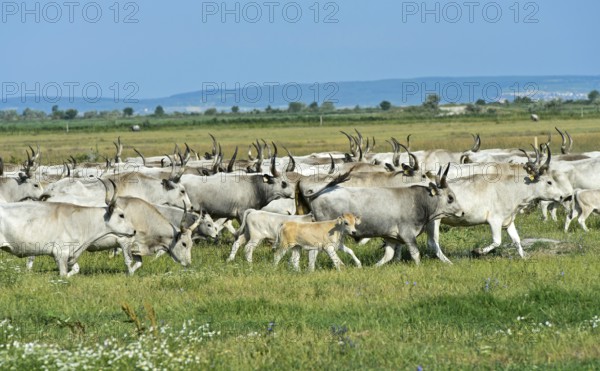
point(325, 235)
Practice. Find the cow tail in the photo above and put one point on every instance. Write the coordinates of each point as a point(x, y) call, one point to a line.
point(243, 225)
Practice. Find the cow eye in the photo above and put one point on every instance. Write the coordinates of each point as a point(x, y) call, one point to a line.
point(284, 184)
point(450, 199)
point(182, 192)
point(122, 216)
point(346, 223)
point(549, 182)
point(184, 244)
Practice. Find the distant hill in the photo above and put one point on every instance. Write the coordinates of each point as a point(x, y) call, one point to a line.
point(400, 92)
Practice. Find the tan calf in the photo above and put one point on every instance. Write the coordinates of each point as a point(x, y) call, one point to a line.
point(584, 203)
point(326, 235)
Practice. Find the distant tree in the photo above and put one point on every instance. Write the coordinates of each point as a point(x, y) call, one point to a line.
point(29, 114)
point(90, 114)
point(313, 107)
point(235, 109)
point(9, 115)
point(159, 111)
point(432, 102)
point(127, 111)
point(327, 106)
point(56, 113)
point(593, 95)
point(385, 105)
point(480, 102)
point(295, 107)
point(269, 109)
point(523, 100)
point(210, 111)
point(70, 114)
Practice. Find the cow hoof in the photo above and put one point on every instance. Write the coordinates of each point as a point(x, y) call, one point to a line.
point(477, 253)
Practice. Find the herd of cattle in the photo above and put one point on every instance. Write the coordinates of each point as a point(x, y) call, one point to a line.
point(156, 205)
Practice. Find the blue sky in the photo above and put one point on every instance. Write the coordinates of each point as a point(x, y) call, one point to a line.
point(177, 47)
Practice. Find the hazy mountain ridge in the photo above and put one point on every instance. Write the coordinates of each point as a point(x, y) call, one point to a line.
point(400, 92)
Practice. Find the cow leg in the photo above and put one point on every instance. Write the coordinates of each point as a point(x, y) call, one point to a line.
point(496, 227)
point(364, 241)
point(312, 259)
point(29, 264)
point(138, 263)
point(584, 215)
point(73, 267)
point(61, 262)
point(570, 216)
point(433, 238)
point(295, 258)
point(544, 206)
point(553, 210)
point(411, 242)
point(159, 254)
point(114, 252)
point(249, 249)
point(387, 255)
point(240, 241)
point(349, 251)
point(514, 235)
point(280, 253)
point(330, 250)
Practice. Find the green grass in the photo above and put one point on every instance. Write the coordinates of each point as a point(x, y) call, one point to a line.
point(495, 312)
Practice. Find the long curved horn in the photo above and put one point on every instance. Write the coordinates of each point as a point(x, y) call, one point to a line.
point(214, 144)
point(172, 166)
point(546, 165)
point(332, 168)
point(232, 161)
point(142, 156)
point(570, 142)
point(183, 218)
point(368, 146)
point(74, 162)
point(408, 141)
point(351, 140)
point(373, 145)
point(1, 166)
point(443, 182)
point(360, 139)
point(267, 147)
point(250, 158)
point(396, 156)
point(274, 170)
point(563, 146)
point(477, 143)
point(526, 154)
point(412, 159)
point(537, 155)
point(292, 163)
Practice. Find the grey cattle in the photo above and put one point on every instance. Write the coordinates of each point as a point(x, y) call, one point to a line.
point(154, 233)
point(258, 225)
point(63, 231)
point(398, 215)
point(230, 195)
point(89, 191)
point(324, 235)
point(496, 199)
point(583, 204)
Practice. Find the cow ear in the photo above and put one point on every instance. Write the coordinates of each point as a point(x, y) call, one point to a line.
point(340, 220)
point(168, 184)
point(268, 179)
point(357, 220)
point(433, 189)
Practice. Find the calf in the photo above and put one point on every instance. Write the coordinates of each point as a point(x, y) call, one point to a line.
point(325, 235)
point(583, 203)
point(258, 225)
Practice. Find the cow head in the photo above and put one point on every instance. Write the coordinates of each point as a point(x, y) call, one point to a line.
point(279, 186)
point(445, 198)
point(28, 188)
point(175, 193)
point(115, 218)
point(206, 226)
point(547, 184)
point(181, 250)
point(348, 222)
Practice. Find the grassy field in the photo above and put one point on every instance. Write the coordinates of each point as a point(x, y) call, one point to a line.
point(497, 312)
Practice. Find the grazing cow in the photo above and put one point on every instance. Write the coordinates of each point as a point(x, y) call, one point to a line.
point(63, 231)
point(398, 215)
point(584, 202)
point(325, 235)
point(258, 225)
